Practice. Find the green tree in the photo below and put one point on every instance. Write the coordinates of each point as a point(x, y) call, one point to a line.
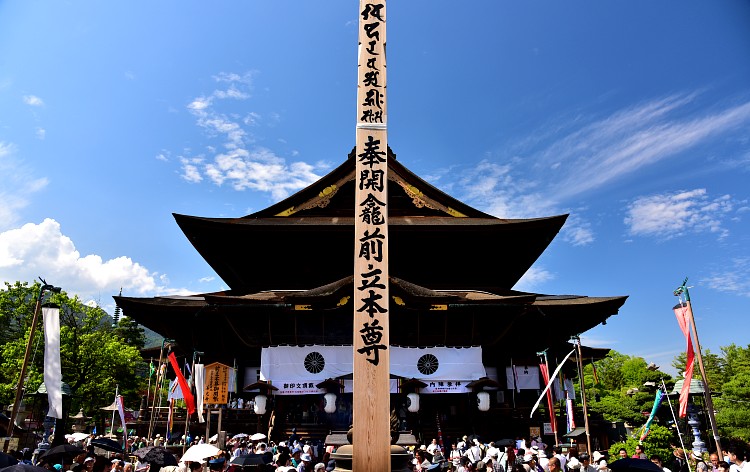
point(733, 406)
point(713, 363)
point(620, 393)
point(95, 357)
point(659, 441)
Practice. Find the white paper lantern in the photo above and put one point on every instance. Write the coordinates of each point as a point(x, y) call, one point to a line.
point(412, 402)
point(483, 401)
point(260, 405)
point(329, 402)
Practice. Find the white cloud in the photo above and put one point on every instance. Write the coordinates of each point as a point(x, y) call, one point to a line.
point(43, 250)
point(17, 184)
point(533, 278)
point(546, 171)
point(671, 215)
point(605, 150)
point(190, 171)
point(41, 133)
point(33, 100)
point(204, 280)
point(235, 162)
point(734, 279)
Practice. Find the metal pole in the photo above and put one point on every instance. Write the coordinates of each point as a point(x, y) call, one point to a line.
point(112, 424)
point(679, 433)
point(554, 414)
point(156, 386)
point(707, 389)
point(27, 354)
point(583, 396)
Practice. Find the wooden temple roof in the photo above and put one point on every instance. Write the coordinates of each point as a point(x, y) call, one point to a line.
point(239, 324)
point(434, 240)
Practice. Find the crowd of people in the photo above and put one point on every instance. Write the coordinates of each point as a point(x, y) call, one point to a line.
point(295, 455)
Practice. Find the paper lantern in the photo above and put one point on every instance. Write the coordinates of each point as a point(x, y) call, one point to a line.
point(412, 402)
point(329, 402)
point(483, 401)
point(260, 404)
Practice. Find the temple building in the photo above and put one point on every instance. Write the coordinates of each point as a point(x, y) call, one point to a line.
point(457, 327)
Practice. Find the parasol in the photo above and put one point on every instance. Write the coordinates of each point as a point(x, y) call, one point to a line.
point(7, 460)
point(239, 436)
point(199, 453)
point(141, 453)
point(58, 453)
point(258, 437)
point(159, 457)
point(107, 444)
point(23, 468)
point(248, 460)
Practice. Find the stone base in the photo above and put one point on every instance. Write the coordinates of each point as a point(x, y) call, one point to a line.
point(343, 456)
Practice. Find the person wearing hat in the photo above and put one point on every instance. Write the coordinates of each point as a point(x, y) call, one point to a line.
point(586, 465)
point(574, 464)
point(331, 465)
point(304, 466)
point(295, 459)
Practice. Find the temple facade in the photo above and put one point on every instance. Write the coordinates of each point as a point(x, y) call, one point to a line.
point(457, 327)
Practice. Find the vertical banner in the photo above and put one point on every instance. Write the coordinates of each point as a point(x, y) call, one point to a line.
point(371, 400)
point(216, 384)
point(550, 403)
point(681, 312)
point(121, 411)
point(198, 376)
point(186, 393)
point(52, 366)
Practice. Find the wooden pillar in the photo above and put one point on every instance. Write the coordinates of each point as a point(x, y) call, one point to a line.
point(371, 397)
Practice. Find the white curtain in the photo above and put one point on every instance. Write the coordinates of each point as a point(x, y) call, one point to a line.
point(199, 373)
point(528, 377)
point(52, 366)
point(316, 362)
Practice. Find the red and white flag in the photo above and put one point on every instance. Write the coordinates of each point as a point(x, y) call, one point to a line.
point(121, 411)
point(682, 311)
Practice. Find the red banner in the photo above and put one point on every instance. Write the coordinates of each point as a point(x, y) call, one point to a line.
point(550, 403)
point(682, 312)
point(186, 393)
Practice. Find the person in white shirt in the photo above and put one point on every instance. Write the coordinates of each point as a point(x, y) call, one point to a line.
point(433, 447)
point(737, 460)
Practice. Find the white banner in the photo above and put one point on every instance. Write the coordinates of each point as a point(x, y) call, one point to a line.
point(528, 377)
point(446, 386)
point(199, 372)
point(175, 391)
point(52, 366)
point(311, 363)
point(307, 387)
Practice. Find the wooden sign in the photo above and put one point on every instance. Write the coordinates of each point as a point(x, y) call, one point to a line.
point(371, 399)
point(216, 386)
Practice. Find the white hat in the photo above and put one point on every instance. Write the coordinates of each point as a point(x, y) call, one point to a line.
point(697, 456)
point(597, 456)
point(528, 458)
point(573, 463)
point(305, 458)
point(603, 465)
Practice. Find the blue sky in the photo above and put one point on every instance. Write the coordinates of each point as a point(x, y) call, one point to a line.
point(632, 116)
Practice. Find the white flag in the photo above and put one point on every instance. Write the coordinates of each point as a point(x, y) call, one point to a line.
point(52, 366)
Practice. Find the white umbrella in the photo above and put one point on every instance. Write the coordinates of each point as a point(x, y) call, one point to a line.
point(199, 453)
point(213, 438)
point(79, 436)
point(257, 437)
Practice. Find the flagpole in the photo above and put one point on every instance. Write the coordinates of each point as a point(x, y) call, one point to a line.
point(706, 388)
point(156, 386)
point(150, 374)
point(112, 424)
point(583, 396)
point(674, 417)
point(552, 413)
